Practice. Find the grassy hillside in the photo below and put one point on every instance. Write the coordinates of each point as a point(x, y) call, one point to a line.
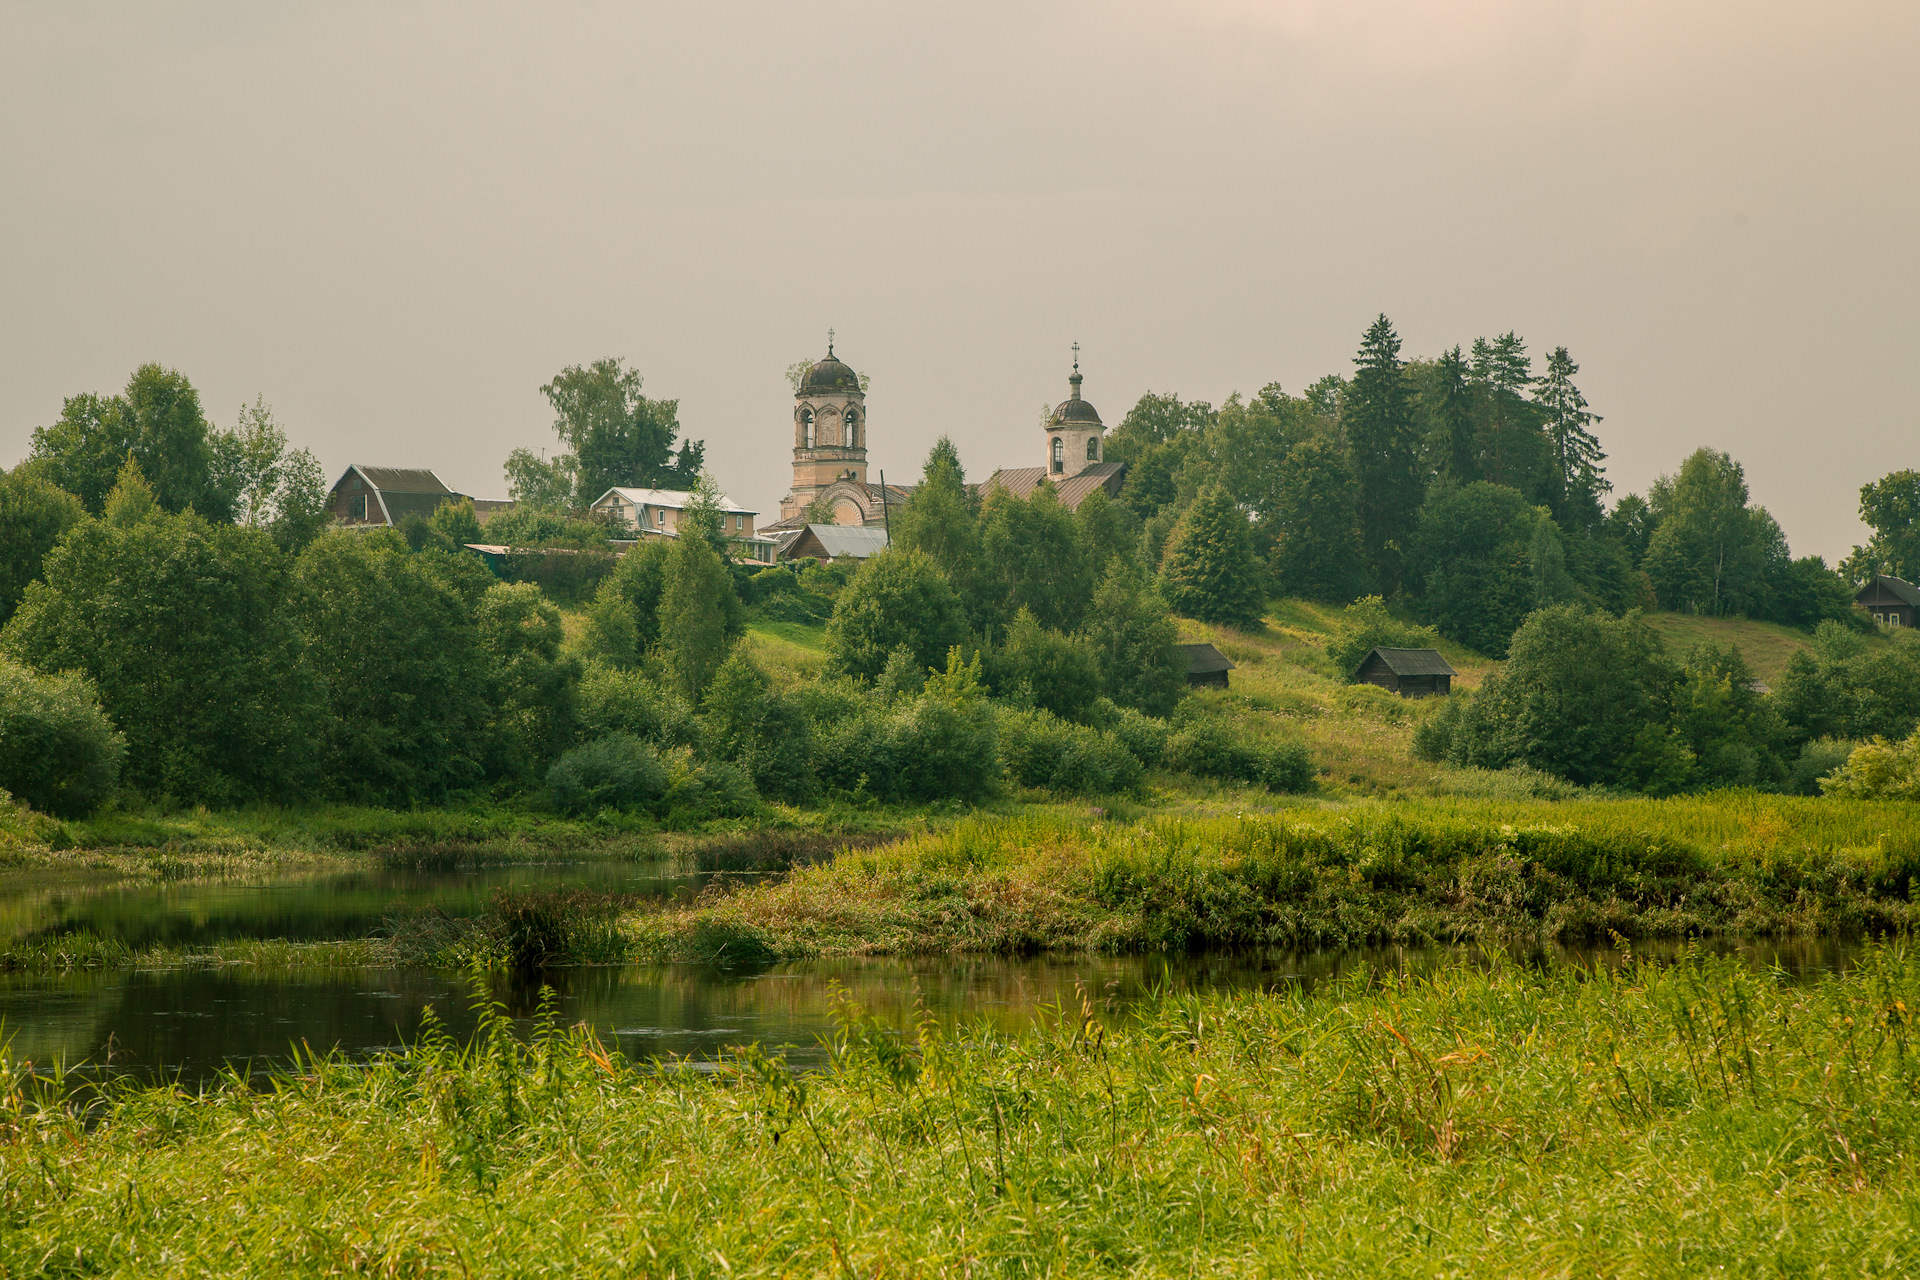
point(1765, 645)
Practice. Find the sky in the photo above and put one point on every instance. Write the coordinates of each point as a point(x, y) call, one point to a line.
point(395, 221)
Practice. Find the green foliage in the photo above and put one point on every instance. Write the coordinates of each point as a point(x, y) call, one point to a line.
point(1041, 668)
point(526, 525)
point(1732, 733)
point(897, 598)
point(617, 437)
point(623, 622)
point(1133, 638)
point(1208, 748)
point(1890, 506)
point(271, 486)
point(1210, 571)
point(1155, 440)
point(1878, 770)
point(456, 523)
point(158, 422)
point(1817, 759)
point(1109, 532)
point(698, 612)
point(1846, 689)
point(1581, 697)
point(1041, 750)
point(1317, 553)
point(753, 726)
point(939, 520)
point(618, 771)
point(1377, 415)
point(1032, 556)
point(533, 706)
point(1710, 552)
point(1474, 556)
point(616, 701)
point(702, 790)
point(58, 751)
point(1575, 481)
point(405, 683)
point(1366, 623)
point(1144, 736)
point(185, 629)
point(35, 514)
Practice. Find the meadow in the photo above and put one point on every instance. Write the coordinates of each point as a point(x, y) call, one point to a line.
point(1621, 1119)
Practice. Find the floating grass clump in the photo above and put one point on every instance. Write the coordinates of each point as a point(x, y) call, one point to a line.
point(1635, 1120)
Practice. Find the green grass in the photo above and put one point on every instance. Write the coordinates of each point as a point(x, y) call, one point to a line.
point(1458, 870)
point(1766, 646)
point(1485, 1121)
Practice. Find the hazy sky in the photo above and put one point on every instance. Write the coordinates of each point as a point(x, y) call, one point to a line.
point(396, 220)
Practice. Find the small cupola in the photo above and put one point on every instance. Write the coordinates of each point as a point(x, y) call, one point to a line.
point(1075, 434)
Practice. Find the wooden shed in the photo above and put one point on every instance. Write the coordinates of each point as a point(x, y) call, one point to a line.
point(1206, 665)
point(1411, 673)
point(1892, 601)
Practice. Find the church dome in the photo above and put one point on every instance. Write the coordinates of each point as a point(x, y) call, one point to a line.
point(829, 376)
point(1073, 411)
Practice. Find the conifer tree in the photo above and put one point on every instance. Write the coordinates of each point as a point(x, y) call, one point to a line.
point(1377, 411)
point(1316, 553)
point(1454, 414)
point(1577, 455)
point(1210, 571)
point(939, 519)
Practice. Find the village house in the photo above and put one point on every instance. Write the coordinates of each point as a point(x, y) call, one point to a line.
point(1206, 665)
point(826, 542)
point(380, 497)
point(657, 513)
point(1892, 602)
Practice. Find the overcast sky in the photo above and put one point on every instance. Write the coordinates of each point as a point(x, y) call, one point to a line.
point(396, 220)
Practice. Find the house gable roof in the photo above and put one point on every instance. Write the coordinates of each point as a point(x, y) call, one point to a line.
point(1204, 659)
point(1072, 491)
point(1899, 588)
point(1411, 662)
point(403, 480)
point(857, 541)
point(672, 499)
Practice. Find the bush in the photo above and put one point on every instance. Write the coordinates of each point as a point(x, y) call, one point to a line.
point(1144, 737)
point(1879, 770)
point(1041, 750)
point(1366, 623)
point(617, 772)
point(58, 751)
point(705, 789)
point(1209, 749)
point(1817, 759)
point(898, 598)
point(614, 701)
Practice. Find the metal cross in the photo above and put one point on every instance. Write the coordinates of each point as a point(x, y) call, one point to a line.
point(829, 344)
point(1076, 357)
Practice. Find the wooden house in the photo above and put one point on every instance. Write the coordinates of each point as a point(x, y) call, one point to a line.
point(1411, 673)
point(1892, 602)
point(1206, 665)
point(386, 495)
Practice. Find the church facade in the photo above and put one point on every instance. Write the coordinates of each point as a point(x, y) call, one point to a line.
point(830, 455)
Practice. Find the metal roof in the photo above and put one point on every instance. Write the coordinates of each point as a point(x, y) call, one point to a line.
point(1071, 490)
point(1411, 662)
point(672, 499)
point(1204, 658)
point(857, 541)
point(1899, 588)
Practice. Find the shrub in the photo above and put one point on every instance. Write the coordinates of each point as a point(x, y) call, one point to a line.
point(1144, 737)
point(1209, 749)
point(1041, 750)
point(898, 598)
point(613, 701)
point(58, 751)
point(704, 789)
point(616, 772)
point(1817, 759)
point(1046, 669)
point(1879, 770)
point(1366, 623)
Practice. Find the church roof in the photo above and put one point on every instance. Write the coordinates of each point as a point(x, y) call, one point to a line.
point(1075, 410)
point(1072, 491)
point(830, 375)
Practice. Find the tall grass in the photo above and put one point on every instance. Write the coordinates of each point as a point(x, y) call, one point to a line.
point(1479, 1120)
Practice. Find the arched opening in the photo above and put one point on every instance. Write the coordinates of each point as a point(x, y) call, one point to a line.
point(806, 428)
point(1093, 448)
point(1059, 454)
point(853, 430)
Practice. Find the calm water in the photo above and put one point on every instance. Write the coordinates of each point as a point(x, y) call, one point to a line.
point(192, 1022)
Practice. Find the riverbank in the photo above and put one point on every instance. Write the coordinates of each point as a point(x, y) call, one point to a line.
point(1484, 1119)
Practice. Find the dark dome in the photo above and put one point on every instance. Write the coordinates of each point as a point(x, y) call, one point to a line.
point(1075, 410)
point(830, 375)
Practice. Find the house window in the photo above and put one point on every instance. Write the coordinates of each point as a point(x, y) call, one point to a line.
point(739, 522)
point(1059, 455)
point(660, 518)
point(1093, 448)
point(357, 508)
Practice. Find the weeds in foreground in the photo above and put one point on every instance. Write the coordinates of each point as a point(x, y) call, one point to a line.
point(1489, 1119)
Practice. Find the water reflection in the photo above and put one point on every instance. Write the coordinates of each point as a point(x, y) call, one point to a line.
point(191, 1022)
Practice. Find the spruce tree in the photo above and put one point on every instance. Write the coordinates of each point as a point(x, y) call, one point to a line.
point(1577, 455)
point(1377, 411)
point(1454, 415)
point(1315, 525)
point(1210, 571)
point(939, 520)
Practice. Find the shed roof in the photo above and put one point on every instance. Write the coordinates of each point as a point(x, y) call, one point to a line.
point(672, 499)
point(1899, 588)
point(1203, 659)
point(857, 541)
point(1411, 662)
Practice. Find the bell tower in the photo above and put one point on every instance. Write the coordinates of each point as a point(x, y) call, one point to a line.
point(1076, 438)
point(829, 431)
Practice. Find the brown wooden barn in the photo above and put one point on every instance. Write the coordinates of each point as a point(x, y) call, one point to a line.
point(1411, 673)
point(1206, 665)
point(1893, 602)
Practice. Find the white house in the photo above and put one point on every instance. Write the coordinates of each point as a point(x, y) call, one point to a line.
point(657, 513)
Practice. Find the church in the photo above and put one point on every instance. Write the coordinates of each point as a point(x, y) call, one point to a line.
point(830, 455)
